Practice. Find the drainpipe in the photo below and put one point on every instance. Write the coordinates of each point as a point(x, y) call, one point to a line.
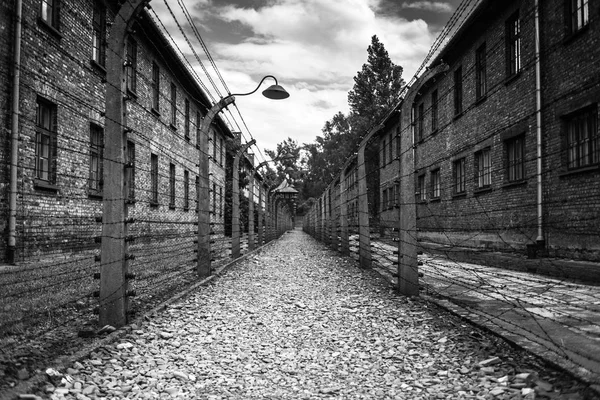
point(14, 155)
point(538, 116)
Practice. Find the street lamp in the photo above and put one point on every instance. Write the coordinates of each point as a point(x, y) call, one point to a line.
point(274, 92)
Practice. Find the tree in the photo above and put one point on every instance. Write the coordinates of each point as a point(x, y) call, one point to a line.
point(376, 88)
point(286, 156)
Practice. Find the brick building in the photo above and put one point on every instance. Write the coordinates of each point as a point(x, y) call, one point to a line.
point(477, 136)
point(61, 123)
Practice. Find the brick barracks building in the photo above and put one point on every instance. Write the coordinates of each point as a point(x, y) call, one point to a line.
point(505, 126)
point(60, 119)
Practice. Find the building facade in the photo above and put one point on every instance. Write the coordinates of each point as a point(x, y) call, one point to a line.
point(61, 122)
point(507, 148)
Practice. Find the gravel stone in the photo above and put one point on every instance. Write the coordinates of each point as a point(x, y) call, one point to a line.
point(296, 321)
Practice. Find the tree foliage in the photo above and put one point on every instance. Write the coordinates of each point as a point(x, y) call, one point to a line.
point(376, 91)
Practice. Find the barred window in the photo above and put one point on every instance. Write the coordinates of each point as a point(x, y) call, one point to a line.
point(186, 190)
point(131, 59)
point(578, 14)
point(45, 150)
point(435, 184)
point(583, 140)
point(99, 33)
point(460, 179)
point(480, 72)
point(186, 127)
point(96, 156)
point(155, 87)
point(515, 158)
point(173, 105)
point(458, 91)
point(421, 192)
point(483, 166)
point(513, 45)
point(171, 185)
point(434, 110)
point(153, 179)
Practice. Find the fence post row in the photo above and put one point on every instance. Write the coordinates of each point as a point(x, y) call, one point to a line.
point(235, 201)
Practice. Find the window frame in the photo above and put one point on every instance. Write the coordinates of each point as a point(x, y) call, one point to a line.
point(50, 18)
point(186, 190)
point(99, 34)
point(513, 45)
point(173, 122)
point(483, 168)
point(49, 133)
point(480, 72)
point(435, 184)
point(458, 91)
point(155, 87)
point(130, 171)
point(587, 147)
point(459, 176)
point(434, 111)
point(131, 61)
point(421, 188)
point(172, 183)
point(154, 179)
point(577, 15)
point(515, 159)
point(420, 122)
point(96, 160)
point(186, 123)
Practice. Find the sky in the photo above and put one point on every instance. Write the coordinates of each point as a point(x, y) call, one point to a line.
point(313, 47)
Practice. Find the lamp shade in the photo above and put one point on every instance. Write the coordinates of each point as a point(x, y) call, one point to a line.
point(275, 92)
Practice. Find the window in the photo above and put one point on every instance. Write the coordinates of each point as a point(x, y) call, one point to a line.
point(186, 190)
point(96, 155)
point(153, 179)
point(392, 197)
point(583, 140)
point(198, 121)
point(513, 45)
point(483, 166)
point(131, 60)
point(419, 118)
point(173, 105)
point(391, 148)
point(197, 186)
point(435, 184)
point(130, 171)
point(220, 201)
point(99, 33)
point(515, 158)
point(578, 14)
point(398, 142)
point(459, 176)
point(214, 143)
point(186, 127)
point(434, 111)
point(421, 192)
point(397, 196)
point(383, 151)
point(214, 198)
point(45, 149)
point(384, 200)
point(458, 91)
point(49, 11)
point(171, 185)
point(155, 87)
point(221, 151)
point(480, 73)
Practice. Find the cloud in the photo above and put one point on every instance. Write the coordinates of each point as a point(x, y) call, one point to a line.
point(434, 6)
point(313, 47)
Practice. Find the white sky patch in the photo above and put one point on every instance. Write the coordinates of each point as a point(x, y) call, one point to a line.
point(434, 6)
point(313, 47)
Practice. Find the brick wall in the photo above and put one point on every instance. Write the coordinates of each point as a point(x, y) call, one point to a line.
point(57, 67)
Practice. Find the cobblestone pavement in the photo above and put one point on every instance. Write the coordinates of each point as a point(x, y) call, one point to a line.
point(296, 321)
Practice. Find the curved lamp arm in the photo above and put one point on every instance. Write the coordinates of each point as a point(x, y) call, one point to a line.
point(274, 92)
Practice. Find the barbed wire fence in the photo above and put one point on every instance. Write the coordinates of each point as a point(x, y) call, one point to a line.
point(51, 296)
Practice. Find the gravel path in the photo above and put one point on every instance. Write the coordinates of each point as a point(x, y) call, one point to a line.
point(298, 322)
